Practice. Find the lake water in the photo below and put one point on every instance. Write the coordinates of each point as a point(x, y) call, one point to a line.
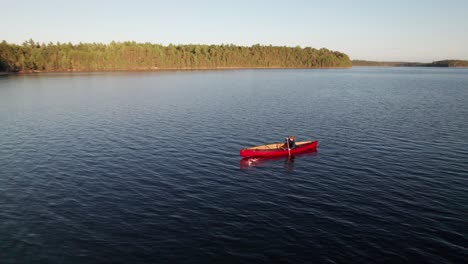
point(145, 167)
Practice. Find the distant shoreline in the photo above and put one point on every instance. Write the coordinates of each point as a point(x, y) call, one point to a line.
point(156, 69)
point(436, 64)
point(173, 69)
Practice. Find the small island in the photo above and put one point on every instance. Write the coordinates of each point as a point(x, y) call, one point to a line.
point(442, 63)
point(133, 56)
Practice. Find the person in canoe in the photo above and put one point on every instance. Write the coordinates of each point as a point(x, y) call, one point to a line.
point(289, 141)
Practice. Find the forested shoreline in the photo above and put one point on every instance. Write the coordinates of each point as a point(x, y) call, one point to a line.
point(53, 57)
point(442, 63)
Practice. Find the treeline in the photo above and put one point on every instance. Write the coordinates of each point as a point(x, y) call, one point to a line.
point(443, 63)
point(376, 63)
point(129, 55)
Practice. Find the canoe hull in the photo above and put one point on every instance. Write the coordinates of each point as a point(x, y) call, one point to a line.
point(260, 151)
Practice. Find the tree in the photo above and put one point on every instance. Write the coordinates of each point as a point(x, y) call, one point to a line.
point(130, 55)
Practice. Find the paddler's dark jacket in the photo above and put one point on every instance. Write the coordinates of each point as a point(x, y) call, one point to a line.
point(292, 143)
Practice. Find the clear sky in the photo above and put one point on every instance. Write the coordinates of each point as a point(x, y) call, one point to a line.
point(398, 30)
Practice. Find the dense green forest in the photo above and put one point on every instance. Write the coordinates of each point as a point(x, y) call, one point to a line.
point(129, 55)
point(443, 63)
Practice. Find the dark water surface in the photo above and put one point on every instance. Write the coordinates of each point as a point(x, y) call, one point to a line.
point(145, 167)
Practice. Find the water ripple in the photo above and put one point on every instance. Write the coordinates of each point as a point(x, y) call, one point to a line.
point(138, 168)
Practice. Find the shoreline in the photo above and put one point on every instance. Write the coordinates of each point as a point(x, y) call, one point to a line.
point(156, 69)
point(434, 64)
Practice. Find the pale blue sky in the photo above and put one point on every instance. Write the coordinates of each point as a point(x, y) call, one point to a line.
point(375, 30)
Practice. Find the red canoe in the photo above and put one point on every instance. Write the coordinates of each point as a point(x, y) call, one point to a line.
point(277, 149)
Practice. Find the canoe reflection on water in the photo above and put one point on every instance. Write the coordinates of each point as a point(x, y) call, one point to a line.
point(252, 162)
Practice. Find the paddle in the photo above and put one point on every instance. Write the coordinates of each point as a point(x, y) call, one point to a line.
point(287, 143)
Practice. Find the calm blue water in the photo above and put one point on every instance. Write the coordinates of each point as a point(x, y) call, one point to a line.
point(145, 167)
